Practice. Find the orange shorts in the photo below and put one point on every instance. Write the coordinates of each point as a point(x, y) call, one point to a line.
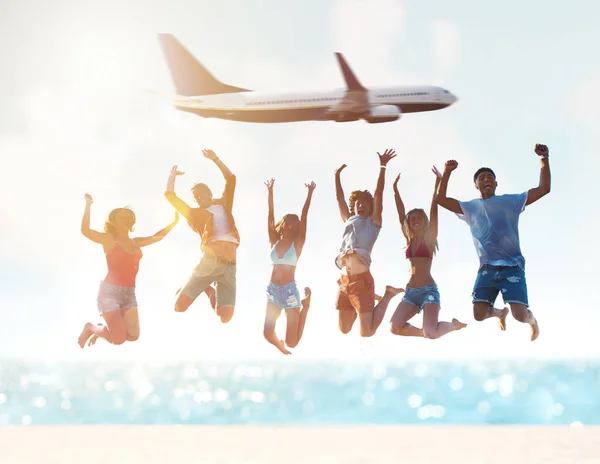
point(356, 293)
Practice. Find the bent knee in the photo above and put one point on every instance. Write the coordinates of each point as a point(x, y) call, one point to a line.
point(365, 333)
point(119, 340)
point(345, 329)
point(133, 337)
point(431, 334)
point(291, 342)
point(479, 315)
point(225, 313)
point(397, 329)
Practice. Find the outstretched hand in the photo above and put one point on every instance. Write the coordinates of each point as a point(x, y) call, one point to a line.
point(311, 187)
point(386, 157)
point(174, 172)
point(270, 183)
point(436, 172)
point(450, 165)
point(541, 150)
point(396, 180)
point(176, 220)
point(211, 155)
point(88, 199)
point(340, 169)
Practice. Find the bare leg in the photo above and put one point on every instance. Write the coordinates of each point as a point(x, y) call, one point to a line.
point(370, 322)
point(271, 317)
point(483, 310)
point(346, 320)
point(522, 314)
point(212, 297)
point(304, 311)
point(432, 328)
point(399, 325)
point(115, 331)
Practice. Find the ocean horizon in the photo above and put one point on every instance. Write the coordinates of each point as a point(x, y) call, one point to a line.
point(303, 392)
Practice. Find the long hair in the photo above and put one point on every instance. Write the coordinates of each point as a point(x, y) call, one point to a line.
point(109, 225)
point(355, 195)
point(279, 225)
point(408, 232)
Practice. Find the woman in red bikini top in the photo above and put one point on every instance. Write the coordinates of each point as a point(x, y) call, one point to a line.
point(421, 292)
point(116, 297)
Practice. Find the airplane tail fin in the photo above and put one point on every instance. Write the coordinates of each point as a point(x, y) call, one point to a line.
point(351, 80)
point(189, 76)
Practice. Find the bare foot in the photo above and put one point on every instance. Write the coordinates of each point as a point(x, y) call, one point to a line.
point(212, 296)
point(281, 347)
point(306, 300)
point(502, 318)
point(393, 291)
point(457, 325)
point(535, 330)
point(86, 333)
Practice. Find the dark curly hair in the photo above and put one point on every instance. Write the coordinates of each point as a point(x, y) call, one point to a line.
point(356, 194)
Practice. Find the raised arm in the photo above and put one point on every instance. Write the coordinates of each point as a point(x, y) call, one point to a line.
point(399, 206)
point(98, 237)
point(303, 219)
point(339, 194)
point(433, 210)
point(179, 205)
point(543, 188)
point(230, 180)
point(158, 236)
point(273, 237)
point(442, 199)
point(378, 197)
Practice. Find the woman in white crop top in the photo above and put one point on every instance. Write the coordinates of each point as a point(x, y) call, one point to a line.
point(287, 239)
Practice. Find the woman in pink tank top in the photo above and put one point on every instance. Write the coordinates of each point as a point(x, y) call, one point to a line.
point(116, 297)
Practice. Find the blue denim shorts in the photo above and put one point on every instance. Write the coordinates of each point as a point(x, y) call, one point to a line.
point(420, 296)
point(284, 296)
point(115, 298)
point(508, 280)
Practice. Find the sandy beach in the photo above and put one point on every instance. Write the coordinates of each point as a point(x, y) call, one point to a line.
point(307, 445)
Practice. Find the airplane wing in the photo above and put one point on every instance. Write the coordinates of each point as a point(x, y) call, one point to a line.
point(356, 102)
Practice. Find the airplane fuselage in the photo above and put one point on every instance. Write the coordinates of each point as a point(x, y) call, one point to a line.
point(385, 104)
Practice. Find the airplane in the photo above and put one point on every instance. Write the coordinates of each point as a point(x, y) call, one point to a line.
point(200, 93)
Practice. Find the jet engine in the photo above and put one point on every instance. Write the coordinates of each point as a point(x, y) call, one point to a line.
point(383, 113)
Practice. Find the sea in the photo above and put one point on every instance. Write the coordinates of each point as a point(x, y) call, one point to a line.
point(532, 392)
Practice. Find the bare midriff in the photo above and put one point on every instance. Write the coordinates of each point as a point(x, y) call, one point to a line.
point(352, 265)
point(420, 272)
point(283, 274)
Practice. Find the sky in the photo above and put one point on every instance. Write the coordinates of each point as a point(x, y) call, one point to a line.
point(76, 119)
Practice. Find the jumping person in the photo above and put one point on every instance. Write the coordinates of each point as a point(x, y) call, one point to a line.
point(116, 298)
point(213, 220)
point(287, 239)
point(362, 221)
point(421, 290)
point(494, 223)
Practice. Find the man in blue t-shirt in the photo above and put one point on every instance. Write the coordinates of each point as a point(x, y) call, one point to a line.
point(494, 223)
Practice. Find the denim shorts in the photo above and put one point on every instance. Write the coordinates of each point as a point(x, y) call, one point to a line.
point(115, 298)
point(420, 296)
point(285, 296)
point(508, 280)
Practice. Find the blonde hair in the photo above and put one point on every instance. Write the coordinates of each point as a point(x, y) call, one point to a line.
point(410, 234)
point(110, 226)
